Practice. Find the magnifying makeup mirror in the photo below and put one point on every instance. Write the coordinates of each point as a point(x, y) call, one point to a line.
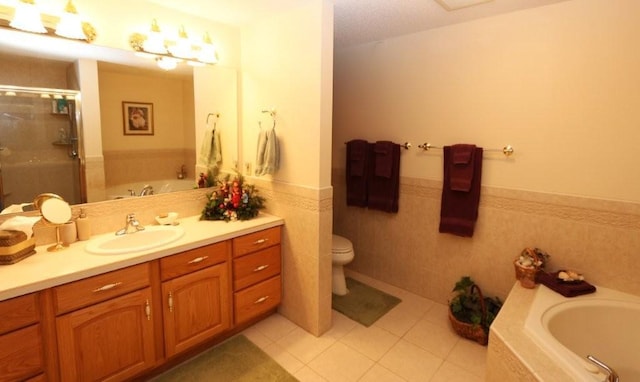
point(56, 211)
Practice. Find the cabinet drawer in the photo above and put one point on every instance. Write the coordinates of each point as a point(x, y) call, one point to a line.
point(21, 354)
point(94, 289)
point(256, 267)
point(257, 299)
point(256, 241)
point(193, 260)
point(18, 312)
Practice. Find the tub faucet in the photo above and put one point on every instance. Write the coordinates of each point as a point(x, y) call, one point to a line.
point(132, 225)
point(146, 190)
point(613, 376)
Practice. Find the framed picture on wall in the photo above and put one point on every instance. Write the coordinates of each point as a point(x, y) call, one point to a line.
point(137, 118)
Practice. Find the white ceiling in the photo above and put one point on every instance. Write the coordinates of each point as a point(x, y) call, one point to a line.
point(357, 21)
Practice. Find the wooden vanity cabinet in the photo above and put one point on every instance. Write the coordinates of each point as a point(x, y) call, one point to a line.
point(257, 283)
point(21, 342)
point(104, 325)
point(196, 296)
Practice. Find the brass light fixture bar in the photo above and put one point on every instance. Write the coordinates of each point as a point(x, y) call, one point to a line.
point(168, 53)
point(50, 23)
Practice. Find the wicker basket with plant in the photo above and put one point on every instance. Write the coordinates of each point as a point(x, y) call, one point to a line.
point(470, 313)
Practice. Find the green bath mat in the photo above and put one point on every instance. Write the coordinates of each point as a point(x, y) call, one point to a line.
point(363, 303)
point(236, 360)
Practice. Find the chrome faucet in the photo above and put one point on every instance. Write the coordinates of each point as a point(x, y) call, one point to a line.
point(613, 376)
point(132, 225)
point(146, 190)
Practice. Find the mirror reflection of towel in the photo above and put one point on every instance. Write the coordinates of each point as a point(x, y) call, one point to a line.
point(211, 150)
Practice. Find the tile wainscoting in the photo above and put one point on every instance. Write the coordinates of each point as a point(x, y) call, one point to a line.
point(599, 238)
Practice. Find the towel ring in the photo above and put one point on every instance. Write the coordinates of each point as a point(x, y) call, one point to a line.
point(272, 113)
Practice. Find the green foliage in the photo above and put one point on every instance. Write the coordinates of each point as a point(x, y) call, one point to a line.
point(466, 306)
point(233, 200)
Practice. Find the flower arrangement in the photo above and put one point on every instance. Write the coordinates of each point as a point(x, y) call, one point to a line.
point(233, 200)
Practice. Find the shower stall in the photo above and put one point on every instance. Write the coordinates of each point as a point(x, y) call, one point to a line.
point(39, 147)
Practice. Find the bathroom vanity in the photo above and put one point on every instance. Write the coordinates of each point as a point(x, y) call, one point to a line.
point(74, 316)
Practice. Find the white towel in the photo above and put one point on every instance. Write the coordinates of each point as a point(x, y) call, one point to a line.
point(20, 223)
point(268, 153)
point(211, 150)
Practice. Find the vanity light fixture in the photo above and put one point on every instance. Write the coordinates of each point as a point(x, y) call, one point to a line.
point(208, 53)
point(182, 48)
point(167, 63)
point(70, 25)
point(27, 17)
point(169, 52)
point(154, 42)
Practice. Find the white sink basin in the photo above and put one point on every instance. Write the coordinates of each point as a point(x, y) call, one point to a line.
point(150, 237)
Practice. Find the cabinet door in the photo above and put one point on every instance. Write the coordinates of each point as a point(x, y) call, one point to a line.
point(21, 354)
point(195, 307)
point(109, 341)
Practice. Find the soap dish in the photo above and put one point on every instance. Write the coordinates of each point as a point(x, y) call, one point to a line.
point(167, 219)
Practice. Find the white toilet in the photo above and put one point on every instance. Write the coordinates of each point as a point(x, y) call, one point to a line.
point(341, 254)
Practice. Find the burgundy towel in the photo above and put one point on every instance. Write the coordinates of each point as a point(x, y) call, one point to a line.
point(550, 280)
point(384, 190)
point(384, 158)
point(357, 168)
point(462, 167)
point(459, 209)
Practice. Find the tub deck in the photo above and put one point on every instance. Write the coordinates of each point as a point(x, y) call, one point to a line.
point(512, 355)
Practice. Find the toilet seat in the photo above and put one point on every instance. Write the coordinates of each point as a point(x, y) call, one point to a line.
point(340, 244)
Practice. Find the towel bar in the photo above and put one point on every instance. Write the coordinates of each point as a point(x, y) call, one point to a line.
point(506, 150)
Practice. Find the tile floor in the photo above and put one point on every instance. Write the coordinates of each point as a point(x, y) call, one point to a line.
point(413, 342)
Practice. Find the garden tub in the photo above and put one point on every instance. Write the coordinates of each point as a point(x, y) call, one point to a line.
point(602, 324)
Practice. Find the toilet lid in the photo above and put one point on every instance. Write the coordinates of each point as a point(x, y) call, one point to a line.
point(340, 244)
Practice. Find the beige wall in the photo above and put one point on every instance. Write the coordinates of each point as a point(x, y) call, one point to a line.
point(287, 65)
point(556, 82)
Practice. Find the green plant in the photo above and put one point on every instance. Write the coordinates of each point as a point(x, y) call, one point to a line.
point(466, 306)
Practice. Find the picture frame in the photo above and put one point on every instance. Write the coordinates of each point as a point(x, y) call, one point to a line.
point(137, 118)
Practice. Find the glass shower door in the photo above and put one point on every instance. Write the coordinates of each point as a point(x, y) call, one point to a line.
point(38, 146)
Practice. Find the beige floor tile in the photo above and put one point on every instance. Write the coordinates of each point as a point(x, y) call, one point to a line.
point(449, 372)
point(438, 314)
point(373, 341)
point(304, 345)
point(275, 327)
point(432, 337)
point(411, 362)
point(340, 325)
point(255, 335)
point(284, 358)
point(340, 363)
point(401, 318)
point(469, 355)
point(307, 375)
point(379, 374)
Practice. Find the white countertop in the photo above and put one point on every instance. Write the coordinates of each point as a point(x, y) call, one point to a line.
point(46, 269)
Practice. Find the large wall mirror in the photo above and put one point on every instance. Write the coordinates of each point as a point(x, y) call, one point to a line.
point(177, 107)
